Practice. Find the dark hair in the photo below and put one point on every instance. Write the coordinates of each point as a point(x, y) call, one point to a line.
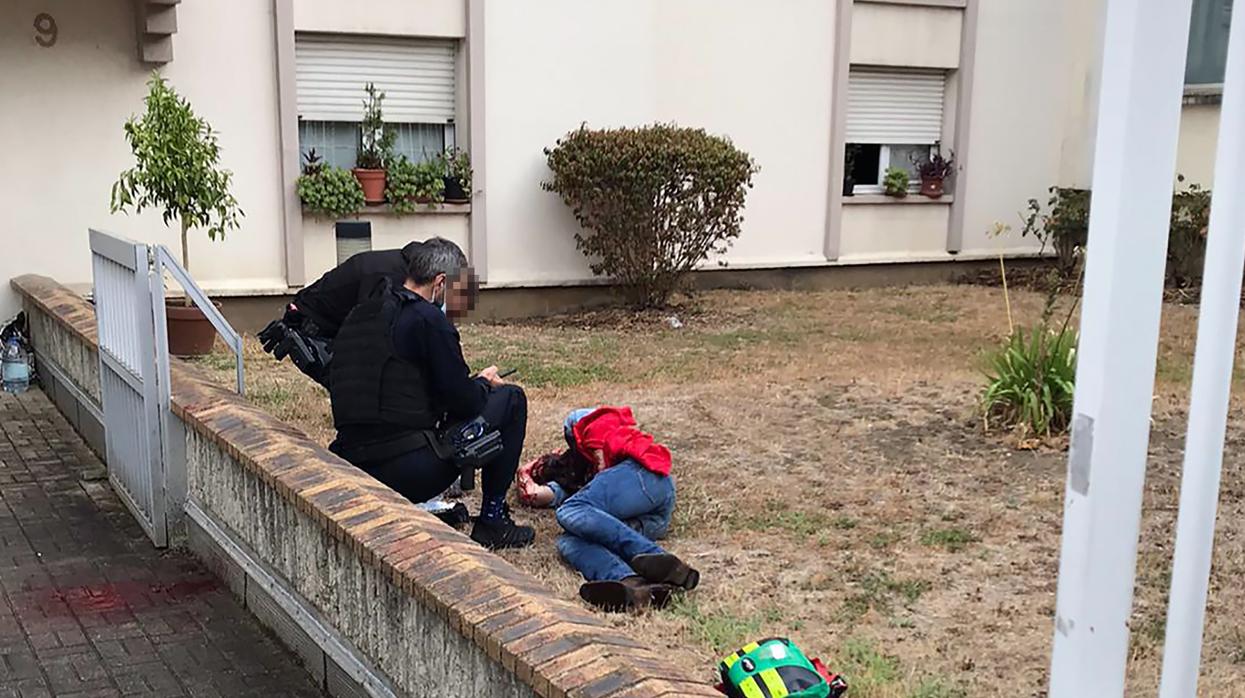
point(435, 256)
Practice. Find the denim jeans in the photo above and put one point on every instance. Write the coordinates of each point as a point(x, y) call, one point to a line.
point(600, 538)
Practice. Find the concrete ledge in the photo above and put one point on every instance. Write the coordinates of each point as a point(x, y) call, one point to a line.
point(331, 559)
point(884, 200)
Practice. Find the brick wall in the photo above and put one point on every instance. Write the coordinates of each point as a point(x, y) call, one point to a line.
point(375, 595)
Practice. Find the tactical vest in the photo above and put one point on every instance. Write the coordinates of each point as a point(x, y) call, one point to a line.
point(369, 383)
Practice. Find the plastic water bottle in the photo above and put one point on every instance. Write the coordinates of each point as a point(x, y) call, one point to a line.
point(15, 367)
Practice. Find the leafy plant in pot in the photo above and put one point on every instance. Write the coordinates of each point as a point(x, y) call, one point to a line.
point(410, 184)
point(375, 147)
point(328, 192)
point(895, 182)
point(456, 166)
point(934, 171)
point(177, 169)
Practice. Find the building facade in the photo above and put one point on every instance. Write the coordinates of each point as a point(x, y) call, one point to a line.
point(1007, 85)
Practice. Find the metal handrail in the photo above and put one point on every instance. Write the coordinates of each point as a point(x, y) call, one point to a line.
point(164, 259)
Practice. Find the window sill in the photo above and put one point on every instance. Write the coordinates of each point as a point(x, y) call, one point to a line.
point(420, 210)
point(958, 4)
point(884, 200)
point(1203, 95)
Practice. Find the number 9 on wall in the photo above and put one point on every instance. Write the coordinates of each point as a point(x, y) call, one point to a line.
point(45, 30)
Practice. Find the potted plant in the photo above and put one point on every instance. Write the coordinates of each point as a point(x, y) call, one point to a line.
point(375, 147)
point(849, 170)
point(412, 183)
point(456, 168)
point(934, 172)
point(329, 192)
point(895, 183)
point(178, 170)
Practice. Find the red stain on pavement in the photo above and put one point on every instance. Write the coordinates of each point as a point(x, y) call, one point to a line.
point(123, 595)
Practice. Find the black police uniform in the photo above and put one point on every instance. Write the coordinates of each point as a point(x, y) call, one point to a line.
point(310, 324)
point(398, 372)
point(331, 297)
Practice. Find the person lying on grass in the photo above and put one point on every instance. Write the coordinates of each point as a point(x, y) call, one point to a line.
point(614, 496)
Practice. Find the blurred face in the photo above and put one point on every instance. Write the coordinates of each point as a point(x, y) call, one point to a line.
point(460, 296)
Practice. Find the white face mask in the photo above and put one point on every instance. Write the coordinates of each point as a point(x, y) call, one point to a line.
point(444, 295)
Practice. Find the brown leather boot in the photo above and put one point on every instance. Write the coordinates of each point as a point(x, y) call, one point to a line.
point(633, 593)
point(664, 568)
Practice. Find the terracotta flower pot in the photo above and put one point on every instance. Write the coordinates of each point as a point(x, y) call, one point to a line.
point(190, 332)
point(373, 183)
point(932, 187)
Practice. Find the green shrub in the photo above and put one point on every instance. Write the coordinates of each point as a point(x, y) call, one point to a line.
point(1031, 380)
point(1064, 227)
point(654, 201)
point(1186, 243)
point(408, 184)
point(330, 192)
point(895, 182)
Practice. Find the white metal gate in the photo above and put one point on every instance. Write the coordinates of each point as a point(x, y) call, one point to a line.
point(129, 376)
point(1144, 52)
point(134, 370)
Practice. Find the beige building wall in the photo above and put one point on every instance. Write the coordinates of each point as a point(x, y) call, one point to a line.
point(1199, 136)
point(441, 18)
point(550, 65)
point(906, 36)
point(735, 67)
point(389, 231)
point(762, 78)
point(1017, 129)
point(61, 134)
point(894, 231)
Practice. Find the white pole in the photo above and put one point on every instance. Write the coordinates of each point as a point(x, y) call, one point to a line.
point(1134, 160)
point(1212, 385)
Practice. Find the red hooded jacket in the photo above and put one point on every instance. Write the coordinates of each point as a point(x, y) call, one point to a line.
point(612, 430)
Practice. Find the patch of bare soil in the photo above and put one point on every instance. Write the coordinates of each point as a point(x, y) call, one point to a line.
point(835, 484)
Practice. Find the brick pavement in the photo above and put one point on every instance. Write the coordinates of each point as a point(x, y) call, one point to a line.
point(88, 607)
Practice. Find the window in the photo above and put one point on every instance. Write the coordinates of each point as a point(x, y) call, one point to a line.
point(1208, 42)
point(893, 118)
point(416, 75)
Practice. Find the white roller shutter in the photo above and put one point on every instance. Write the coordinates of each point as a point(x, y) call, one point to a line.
point(416, 75)
point(895, 107)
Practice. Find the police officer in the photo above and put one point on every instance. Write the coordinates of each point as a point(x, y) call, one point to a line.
point(398, 373)
point(306, 331)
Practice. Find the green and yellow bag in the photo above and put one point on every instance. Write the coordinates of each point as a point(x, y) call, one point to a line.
point(776, 668)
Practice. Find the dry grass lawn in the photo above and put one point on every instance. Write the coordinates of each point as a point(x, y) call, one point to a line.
point(835, 484)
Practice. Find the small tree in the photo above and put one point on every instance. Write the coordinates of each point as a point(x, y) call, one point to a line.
point(178, 168)
point(654, 201)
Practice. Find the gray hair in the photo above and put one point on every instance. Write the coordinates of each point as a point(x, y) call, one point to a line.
point(435, 256)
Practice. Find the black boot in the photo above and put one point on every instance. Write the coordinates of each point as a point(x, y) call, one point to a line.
point(631, 594)
point(502, 532)
point(664, 568)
